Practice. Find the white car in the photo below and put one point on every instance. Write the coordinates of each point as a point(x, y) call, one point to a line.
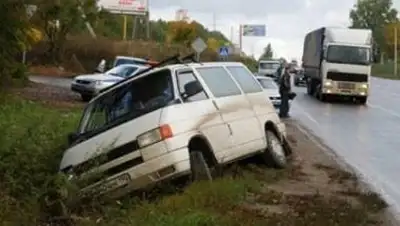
point(271, 89)
point(175, 120)
point(89, 86)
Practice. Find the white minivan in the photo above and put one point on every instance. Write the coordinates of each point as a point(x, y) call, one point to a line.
point(174, 120)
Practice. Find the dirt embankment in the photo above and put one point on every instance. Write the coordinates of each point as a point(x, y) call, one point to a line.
point(318, 191)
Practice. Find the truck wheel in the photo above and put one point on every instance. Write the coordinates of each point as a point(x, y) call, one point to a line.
point(309, 87)
point(274, 155)
point(199, 167)
point(86, 98)
point(362, 100)
point(320, 96)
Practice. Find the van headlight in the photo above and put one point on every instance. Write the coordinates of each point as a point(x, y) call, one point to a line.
point(155, 135)
point(328, 84)
point(364, 86)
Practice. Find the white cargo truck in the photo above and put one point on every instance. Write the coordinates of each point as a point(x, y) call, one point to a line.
point(337, 62)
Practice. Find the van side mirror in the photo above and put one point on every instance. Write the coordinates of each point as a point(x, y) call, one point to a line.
point(72, 137)
point(192, 88)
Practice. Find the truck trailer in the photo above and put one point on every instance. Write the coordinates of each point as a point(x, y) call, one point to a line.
point(337, 62)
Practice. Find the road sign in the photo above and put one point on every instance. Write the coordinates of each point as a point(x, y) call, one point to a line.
point(126, 7)
point(257, 30)
point(199, 45)
point(224, 51)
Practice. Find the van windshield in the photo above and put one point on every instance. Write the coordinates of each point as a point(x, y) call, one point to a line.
point(129, 101)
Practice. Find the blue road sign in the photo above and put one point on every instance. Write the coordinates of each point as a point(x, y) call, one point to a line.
point(257, 30)
point(224, 51)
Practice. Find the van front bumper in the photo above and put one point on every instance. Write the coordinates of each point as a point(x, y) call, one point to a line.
point(170, 165)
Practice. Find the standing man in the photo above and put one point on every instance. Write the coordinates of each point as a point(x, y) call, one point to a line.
point(284, 90)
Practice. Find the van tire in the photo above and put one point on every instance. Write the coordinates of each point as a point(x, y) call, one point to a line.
point(199, 168)
point(274, 154)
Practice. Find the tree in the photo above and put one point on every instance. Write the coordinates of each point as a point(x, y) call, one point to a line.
point(268, 53)
point(14, 36)
point(181, 32)
point(374, 15)
point(213, 44)
point(58, 19)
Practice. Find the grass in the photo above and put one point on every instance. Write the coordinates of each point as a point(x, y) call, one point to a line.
point(31, 192)
point(385, 71)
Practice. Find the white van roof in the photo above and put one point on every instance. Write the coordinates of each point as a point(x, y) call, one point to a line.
point(173, 67)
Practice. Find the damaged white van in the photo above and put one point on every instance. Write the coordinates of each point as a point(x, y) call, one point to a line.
point(174, 120)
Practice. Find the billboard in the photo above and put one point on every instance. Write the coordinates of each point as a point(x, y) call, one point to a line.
point(126, 7)
point(255, 30)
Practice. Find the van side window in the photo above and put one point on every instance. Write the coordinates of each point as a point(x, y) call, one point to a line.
point(245, 79)
point(185, 77)
point(219, 81)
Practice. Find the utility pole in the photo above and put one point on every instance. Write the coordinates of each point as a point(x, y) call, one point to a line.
point(124, 27)
point(240, 38)
point(395, 50)
point(232, 34)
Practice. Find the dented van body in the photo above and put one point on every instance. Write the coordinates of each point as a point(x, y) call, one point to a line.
point(145, 130)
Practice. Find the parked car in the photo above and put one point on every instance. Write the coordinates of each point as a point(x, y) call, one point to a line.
point(299, 78)
point(89, 86)
point(271, 89)
point(119, 60)
point(181, 119)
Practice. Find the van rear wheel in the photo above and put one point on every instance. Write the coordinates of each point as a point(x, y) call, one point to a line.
point(199, 168)
point(275, 154)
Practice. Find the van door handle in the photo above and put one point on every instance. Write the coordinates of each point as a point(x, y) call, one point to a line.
point(215, 105)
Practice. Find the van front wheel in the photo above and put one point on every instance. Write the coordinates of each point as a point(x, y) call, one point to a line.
point(274, 155)
point(199, 167)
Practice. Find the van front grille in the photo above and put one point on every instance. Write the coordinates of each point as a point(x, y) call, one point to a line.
point(111, 155)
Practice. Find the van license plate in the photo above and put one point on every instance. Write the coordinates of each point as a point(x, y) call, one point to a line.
point(117, 182)
point(343, 85)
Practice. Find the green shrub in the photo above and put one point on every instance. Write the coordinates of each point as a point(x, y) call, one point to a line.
point(31, 143)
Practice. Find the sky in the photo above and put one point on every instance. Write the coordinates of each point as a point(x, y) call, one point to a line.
point(286, 22)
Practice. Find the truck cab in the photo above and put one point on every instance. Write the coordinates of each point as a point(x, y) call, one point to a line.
point(337, 62)
point(346, 70)
point(268, 68)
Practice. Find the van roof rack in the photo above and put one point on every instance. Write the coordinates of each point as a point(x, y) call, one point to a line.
point(175, 59)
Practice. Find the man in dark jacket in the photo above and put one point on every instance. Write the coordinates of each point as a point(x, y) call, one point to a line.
point(284, 90)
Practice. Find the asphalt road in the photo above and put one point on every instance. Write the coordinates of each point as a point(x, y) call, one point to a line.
point(366, 137)
point(61, 82)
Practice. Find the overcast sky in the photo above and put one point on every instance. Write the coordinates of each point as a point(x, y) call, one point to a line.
point(287, 21)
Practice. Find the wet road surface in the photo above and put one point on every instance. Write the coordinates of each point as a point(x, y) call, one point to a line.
point(367, 137)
